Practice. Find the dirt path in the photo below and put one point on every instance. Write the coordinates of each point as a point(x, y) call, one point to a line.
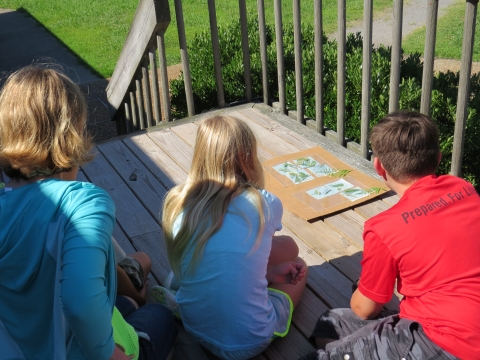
point(414, 17)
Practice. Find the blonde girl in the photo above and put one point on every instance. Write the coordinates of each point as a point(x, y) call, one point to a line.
point(238, 283)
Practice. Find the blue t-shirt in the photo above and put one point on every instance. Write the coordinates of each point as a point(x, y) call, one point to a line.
point(226, 301)
point(56, 266)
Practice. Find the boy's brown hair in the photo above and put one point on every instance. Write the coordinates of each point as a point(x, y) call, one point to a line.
point(407, 145)
point(42, 123)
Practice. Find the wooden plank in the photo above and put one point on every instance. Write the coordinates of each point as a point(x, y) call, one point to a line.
point(132, 216)
point(118, 234)
point(138, 178)
point(153, 244)
point(122, 240)
point(293, 346)
point(350, 225)
point(160, 164)
point(169, 142)
point(326, 281)
point(186, 348)
point(268, 140)
point(150, 17)
point(188, 132)
point(372, 208)
point(307, 312)
point(327, 243)
point(272, 126)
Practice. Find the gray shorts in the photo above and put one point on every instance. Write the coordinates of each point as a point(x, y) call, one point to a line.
point(387, 337)
point(283, 307)
point(134, 271)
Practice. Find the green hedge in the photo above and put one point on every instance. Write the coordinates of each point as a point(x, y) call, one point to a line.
point(444, 95)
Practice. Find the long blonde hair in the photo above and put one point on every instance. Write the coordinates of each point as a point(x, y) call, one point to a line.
point(225, 163)
point(42, 123)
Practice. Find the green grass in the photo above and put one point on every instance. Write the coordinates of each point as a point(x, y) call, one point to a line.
point(96, 29)
point(449, 35)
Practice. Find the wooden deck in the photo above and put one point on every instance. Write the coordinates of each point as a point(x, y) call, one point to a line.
point(138, 170)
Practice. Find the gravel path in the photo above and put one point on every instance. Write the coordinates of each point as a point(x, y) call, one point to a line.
point(414, 17)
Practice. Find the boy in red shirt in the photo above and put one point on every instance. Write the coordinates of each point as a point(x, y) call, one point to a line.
point(429, 242)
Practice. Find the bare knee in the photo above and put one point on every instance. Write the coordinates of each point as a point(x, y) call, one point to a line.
point(284, 249)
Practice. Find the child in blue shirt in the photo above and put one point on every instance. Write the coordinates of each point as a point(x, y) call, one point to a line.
point(238, 282)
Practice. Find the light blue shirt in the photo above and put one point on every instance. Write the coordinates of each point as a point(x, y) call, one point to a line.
point(56, 266)
point(226, 301)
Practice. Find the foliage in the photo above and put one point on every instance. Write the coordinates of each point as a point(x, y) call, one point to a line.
point(444, 95)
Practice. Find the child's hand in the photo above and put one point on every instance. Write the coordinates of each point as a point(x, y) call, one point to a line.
point(285, 273)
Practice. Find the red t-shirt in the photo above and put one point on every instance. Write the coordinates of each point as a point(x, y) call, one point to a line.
point(430, 242)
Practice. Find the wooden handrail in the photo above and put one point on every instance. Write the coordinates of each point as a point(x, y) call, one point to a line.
point(150, 17)
point(135, 80)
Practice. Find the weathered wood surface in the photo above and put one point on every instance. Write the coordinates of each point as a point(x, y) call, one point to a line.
point(150, 17)
point(138, 170)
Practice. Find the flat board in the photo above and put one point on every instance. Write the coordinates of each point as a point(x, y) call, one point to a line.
point(314, 183)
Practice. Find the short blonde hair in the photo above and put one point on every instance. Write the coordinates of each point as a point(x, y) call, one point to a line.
point(42, 123)
point(225, 164)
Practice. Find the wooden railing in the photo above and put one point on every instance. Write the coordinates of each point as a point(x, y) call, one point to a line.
point(130, 85)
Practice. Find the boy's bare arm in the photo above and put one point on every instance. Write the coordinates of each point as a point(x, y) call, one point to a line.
point(364, 307)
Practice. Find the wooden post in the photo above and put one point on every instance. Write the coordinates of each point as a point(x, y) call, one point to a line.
point(187, 78)
point(366, 75)
point(156, 92)
point(341, 64)
point(151, 16)
point(318, 33)
point(277, 8)
point(162, 57)
point(464, 86)
point(140, 102)
point(119, 126)
point(246, 52)
point(134, 111)
point(396, 56)
point(429, 56)
point(147, 94)
point(263, 49)
point(128, 118)
point(297, 38)
point(216, 53)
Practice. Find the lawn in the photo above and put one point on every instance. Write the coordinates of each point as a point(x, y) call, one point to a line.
point(449, 36)
point(96, 29)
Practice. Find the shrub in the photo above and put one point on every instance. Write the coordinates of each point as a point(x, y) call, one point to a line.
point(444, 94)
